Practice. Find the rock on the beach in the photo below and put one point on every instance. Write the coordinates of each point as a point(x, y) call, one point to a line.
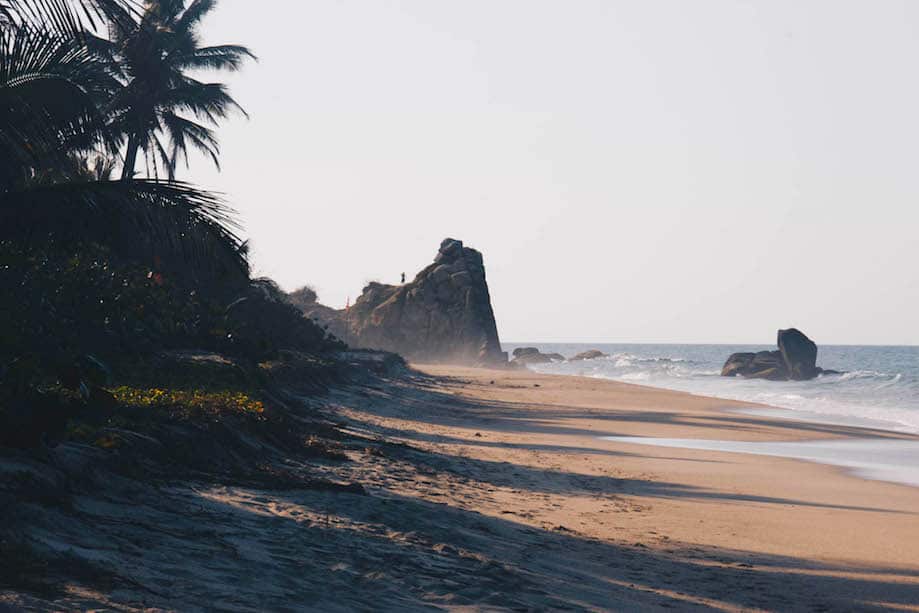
point(760, 365)
point(588, 355)
point(443, 315)
point(519, 351)
point(532, 355)
point(799, 354)
point(737, 364)
point(796, 359)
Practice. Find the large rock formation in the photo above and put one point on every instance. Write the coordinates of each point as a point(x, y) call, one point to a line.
point(799, 354)
point(796, 359)
point(443, 315)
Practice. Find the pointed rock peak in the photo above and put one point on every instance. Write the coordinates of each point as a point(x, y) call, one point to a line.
point(443, 315)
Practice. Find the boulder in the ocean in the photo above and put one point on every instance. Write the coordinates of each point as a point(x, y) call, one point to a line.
point(519, 351)
point(795, 359)
point(760, 365)
point(737, 364)
point(799, 354)
point(532, 355)
point(592, 354)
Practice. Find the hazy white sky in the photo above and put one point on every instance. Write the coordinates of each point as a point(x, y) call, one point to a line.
point(648, 171)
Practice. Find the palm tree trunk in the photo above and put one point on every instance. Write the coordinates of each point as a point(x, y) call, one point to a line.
point(130, 158)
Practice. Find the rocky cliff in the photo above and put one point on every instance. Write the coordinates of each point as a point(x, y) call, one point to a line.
point(443, 315)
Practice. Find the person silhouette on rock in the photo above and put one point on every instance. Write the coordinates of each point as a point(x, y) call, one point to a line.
point(403, 278)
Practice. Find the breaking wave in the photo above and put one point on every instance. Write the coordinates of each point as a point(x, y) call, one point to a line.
point(879, 386)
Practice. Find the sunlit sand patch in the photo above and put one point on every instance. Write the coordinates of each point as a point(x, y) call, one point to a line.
point(895, 460)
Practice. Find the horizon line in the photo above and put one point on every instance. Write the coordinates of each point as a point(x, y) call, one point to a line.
point(688, 343)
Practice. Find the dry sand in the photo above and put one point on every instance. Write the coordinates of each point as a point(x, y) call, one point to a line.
point(773, 533)
point(490, 490)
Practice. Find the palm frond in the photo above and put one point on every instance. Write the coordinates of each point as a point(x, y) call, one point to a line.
point(183, 132)
point(206, 100)
point(58, 14)
point(50, 89)
point(70, 17)
point(193, 15)
point(28, 54)
point(170, 225)
point(219, 57)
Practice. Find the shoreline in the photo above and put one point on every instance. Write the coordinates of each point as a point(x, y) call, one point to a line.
point(761, 504)
point(874, 387)
point(750, 407)
point(780, 412)
point(896, 470)
point(813, 417)
point(900, 465)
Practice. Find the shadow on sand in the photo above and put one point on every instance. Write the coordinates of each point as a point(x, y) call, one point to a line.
point(230, 548)
point(394, 550)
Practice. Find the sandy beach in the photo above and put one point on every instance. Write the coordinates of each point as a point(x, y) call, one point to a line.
point(492, 490)
point(724, 529)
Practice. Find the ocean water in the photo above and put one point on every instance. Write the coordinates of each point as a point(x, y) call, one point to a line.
point(879, 387)
point(882, 459)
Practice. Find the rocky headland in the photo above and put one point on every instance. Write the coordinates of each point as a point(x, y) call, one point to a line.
point(443, 315)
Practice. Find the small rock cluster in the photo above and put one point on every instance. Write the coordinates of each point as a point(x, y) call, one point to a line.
point(592, 354)
point(532, 355)
point(795, 360)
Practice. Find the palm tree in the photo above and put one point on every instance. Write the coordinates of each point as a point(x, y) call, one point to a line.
point(57, 209)
point(53, 88)
point(154, 56)
point(71, 17)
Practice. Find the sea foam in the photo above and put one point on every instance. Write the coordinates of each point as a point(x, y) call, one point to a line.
point(879, 386)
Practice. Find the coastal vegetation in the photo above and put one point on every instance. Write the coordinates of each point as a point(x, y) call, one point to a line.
point(132, 334)
point(107, 260)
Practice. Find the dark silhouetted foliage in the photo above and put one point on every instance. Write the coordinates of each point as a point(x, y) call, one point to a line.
point(303, 298)
point(263, 321)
